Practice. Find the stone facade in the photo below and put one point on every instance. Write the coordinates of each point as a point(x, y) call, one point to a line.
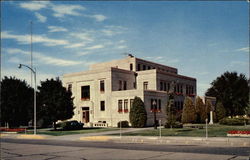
point(106, 91)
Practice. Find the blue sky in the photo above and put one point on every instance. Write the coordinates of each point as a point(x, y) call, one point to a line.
point(201, 39)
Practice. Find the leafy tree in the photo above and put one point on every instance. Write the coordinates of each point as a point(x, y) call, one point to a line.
point(16, 102)
point(138, 114)
point(170, 112)
point(220, 111)
point(200, 109)
point(188, 114)
point(232, 90)
point(55, 102)
point(209, 107)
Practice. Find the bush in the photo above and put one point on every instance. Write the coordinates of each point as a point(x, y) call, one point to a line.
point(124, 124)
point(233, 121)
point(174, 125)
point(70, 125)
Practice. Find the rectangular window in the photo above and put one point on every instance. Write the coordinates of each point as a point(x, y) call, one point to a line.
point(131, 67)
point(159, 104)
point(85, 94)
point(178, 88)
point(192, 90)
point(131, 103)
point(153, 105)
point(165, 86)
point(138, 67)
point(102, 87)
point(168, 86)
point(161, 86)
point(120, 85)
point(181, 90)
point(70, 87)
point(145, 85)
point(102, 106)
point(119, 106)
point(144, 67)
point(149, 67)
point(125, 85)
point(181, 105)
point(186, 89)
point(125, 105)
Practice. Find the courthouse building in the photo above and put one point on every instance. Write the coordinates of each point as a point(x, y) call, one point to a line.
point(103, 95)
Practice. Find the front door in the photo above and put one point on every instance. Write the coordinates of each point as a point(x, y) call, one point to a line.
point(85, 114)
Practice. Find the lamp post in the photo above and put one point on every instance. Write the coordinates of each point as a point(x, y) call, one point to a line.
point(34, 72)
point(154, 111)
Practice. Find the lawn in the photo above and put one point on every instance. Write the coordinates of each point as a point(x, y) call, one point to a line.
point(213, 131)
point(61, 132)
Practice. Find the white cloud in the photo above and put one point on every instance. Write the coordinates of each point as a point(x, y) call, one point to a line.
point(95, 47)
point(75, 45)
point(57, 29)
point(62, 10)
point(40, 17)
point(245, 49)
point(44, 59)
point(99, 17)
point(14, 60)
point(86, 36)
point(122, 47)
point(25, 39)
point(34, 5)
point(82, 53)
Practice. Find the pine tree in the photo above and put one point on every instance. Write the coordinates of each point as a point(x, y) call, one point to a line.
point(200, 109)
point(220, 111)
point(188, 114)
point(138, 114)
point(170, 112)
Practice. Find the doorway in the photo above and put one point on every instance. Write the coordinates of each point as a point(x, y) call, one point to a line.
point(85, 114)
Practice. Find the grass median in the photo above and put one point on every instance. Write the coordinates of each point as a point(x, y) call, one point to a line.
point(213, 131)
point(63, 132)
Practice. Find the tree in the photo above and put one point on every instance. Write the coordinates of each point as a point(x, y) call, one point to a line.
point(200, 109)
point(232, 91)
point(55, 102)
point(209, 107)
point(170, 112)
point(188, 114)
point(220, 111)
point(16, 102)
point(138, 114)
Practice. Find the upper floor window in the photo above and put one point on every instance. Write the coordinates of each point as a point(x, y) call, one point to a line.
point(102, 86)
point(161, 86)
point(124, 85)
point(138, 67)
point(149, 67)
point(165, 86)
point(145, 85)
point(144, 67)
point(120, 85)
point(70, 87)
point(102, 106)
point(131, 67)
point(85, 92)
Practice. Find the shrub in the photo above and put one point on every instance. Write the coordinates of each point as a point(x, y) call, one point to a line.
point(138, 114)
point(233, 121)
point(220, 111)
point(124, 124)
point(174, 125)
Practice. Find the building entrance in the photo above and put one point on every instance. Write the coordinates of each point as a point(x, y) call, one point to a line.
point(85, 114)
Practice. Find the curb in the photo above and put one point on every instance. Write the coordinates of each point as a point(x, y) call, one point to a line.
point(26, 136)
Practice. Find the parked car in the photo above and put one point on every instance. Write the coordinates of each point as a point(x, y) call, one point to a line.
point(70, 125)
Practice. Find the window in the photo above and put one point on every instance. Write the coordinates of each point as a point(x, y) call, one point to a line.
point(186, 89)
point(181, 104)
point(102, 87)
point(161, 86)
point(165, 86)
point(178, 88)
point(125, 105)
point(192, 90)
point(139, 67)
point(131, 103)
point(70, 87)
point(159, 104)
point(168, 86)
point(102, 105)
point(120, 85)
point(125, 85)
point(119, 105)
point(149, 67)
point(181, 90)
point(153, 104)
point(145, 85)
point(144, 67)
point(134, 85)
point(131, 67)
point(85, 95)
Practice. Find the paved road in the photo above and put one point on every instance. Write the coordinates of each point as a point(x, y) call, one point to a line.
point(14, 149)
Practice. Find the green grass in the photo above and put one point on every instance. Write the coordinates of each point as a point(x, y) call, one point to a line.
point(213, 131)
point(61, 132)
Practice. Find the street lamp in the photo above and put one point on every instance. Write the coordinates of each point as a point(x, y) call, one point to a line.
point(154, 111)
point(34, 72)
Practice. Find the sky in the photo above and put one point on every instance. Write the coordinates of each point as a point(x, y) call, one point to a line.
point(202, 39)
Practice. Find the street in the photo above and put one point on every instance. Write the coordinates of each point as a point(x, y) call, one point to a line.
point(23, 149)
